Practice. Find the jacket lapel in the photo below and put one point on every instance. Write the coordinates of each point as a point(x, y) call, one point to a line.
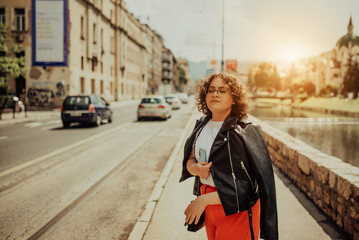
point(221, 138)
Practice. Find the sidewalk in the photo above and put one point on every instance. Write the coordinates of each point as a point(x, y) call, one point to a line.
point(167, 221)
point(32, 116)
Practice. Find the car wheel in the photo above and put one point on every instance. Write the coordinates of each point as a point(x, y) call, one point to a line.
point(110, 119)
point(66, 124)
point(98, 121)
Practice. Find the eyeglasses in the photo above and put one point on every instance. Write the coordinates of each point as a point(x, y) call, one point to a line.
point(220, 91)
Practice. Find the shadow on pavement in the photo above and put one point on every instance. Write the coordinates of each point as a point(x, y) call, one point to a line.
point(327, 224)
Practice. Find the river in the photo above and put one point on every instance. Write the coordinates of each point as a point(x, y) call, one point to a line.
point(335, 135)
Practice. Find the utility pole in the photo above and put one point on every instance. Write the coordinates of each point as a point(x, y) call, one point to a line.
point(222, 63)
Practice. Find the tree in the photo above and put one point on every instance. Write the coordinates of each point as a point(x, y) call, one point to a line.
point(266, 77)
point(330, 89)
point(301, 85)
point(12, 65)
point(351, 78)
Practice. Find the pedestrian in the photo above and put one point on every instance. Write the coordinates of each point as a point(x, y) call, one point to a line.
point(229, 158)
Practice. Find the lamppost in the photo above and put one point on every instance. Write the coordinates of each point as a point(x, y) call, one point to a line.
point(222, 62)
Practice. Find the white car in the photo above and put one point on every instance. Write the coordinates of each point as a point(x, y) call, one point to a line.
point(153, 106)
point(174, 101)
point(183, 97)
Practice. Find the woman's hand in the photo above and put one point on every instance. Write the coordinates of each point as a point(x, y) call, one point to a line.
point(200, 169)
point(203, 169)
point(195, 209)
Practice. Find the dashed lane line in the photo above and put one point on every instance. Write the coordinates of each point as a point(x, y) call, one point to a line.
point(3, 137)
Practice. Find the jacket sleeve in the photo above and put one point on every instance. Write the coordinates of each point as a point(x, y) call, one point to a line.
point(262, 166)
point(187, 152)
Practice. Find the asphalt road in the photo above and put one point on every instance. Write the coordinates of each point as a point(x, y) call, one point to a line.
point(27, 141)
point(97, 189)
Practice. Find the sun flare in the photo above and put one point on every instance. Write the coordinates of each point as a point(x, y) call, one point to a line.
point(290, 52)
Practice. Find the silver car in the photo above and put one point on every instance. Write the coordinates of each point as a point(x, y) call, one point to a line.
point(174, 101)
point(153, 106)
point(183, 97)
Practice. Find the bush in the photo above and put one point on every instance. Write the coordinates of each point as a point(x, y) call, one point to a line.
point(330, 89)
point(6, 101)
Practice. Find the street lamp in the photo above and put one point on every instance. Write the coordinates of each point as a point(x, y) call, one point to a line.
point(222, 63)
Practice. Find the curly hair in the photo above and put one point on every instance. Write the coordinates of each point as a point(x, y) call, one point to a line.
point(238, 91)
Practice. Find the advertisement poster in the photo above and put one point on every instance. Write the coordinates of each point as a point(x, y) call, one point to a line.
point(49, 32)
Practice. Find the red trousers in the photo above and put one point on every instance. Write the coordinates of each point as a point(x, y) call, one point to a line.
point(236, 226)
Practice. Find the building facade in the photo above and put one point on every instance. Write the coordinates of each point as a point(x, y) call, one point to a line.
point(110, 53)
point(330, 67)
point(154, 44)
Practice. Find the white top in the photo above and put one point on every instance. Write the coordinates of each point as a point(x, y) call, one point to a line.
point(205, 141)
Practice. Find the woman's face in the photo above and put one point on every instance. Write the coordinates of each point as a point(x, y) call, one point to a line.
point(219, 98)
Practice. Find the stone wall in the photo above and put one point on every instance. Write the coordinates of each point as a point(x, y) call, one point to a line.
point(332, 184)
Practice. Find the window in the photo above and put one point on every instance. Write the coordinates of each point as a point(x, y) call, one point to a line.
point(19, 19)
point(2, 15)
point(111, 71)
point(112, 44)
point(94, 33)
point(101, 39)
point(82, 85)
point(82, 63)
point(82, 28)
point(101, 67)
point(93, 86)
point(93, 64)
point(111, 87)
point(101, 87)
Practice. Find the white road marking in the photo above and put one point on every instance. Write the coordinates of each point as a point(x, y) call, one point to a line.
point(61, 150)
point(3, 137)
point(38, 124)
point(32, 124)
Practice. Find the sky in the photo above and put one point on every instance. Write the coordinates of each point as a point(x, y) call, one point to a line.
point(254, 30)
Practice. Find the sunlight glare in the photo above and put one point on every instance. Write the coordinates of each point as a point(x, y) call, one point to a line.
point(291, 52)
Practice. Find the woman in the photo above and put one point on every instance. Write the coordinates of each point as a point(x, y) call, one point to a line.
point(234, 181)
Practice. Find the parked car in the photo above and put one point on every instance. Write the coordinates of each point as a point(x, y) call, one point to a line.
point(183, 97)
point(85, 109)
point(174, 101)
point(153, 106)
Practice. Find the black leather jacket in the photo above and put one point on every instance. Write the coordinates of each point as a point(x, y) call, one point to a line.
point(251, 165)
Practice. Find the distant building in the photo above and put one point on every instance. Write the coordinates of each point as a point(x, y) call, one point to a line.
point(184, 65)
point(331, 66)
point(154, 44)
point(169, 69)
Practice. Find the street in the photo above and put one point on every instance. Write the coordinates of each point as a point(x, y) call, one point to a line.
point(82, 182)
point(28, 141)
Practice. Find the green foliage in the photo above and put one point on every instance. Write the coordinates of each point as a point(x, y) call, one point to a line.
point(330, 89)
point(6, 101)
point(302, 85)
point(12, 65)
point(266, 76)
point(351, 78)
point(4, 89)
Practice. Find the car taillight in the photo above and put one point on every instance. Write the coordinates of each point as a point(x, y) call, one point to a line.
point(141, 106)
point(92, 108)
point(62, 108)
point(161, 106)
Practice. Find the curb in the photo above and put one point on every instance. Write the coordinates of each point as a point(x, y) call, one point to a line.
point(144, 220)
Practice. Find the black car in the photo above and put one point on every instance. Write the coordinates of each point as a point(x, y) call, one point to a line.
point(85, 109)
